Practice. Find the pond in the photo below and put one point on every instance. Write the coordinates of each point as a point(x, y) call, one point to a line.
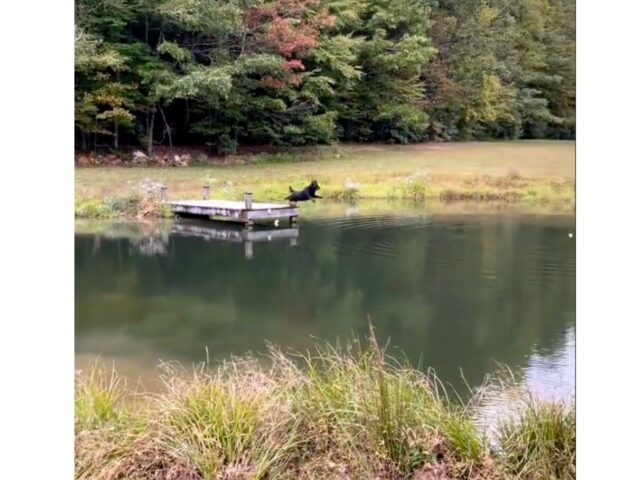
point(460, 292)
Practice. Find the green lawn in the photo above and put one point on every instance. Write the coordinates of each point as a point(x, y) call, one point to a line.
point(534, 171)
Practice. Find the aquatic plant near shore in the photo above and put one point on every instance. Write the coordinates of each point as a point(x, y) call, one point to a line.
point(349, 412)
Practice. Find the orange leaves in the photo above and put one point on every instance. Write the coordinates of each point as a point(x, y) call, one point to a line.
point(289, 28)
point(289, 38)
point(324, 19)
point(291, 65)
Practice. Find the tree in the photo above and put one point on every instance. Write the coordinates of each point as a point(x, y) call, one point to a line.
point(294, 72)
point(99, 102)
point(387, 102)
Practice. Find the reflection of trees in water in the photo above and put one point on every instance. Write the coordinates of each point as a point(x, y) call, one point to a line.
point(449, 295)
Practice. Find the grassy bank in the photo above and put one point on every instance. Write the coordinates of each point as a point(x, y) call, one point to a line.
point(334, 414)
point(536, 172)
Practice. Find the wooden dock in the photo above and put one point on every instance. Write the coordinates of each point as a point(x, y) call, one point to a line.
point(244, 212)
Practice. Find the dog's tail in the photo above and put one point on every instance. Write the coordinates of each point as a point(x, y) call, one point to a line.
point(290, 189)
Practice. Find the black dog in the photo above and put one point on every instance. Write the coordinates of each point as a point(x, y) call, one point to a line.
point(308, 193)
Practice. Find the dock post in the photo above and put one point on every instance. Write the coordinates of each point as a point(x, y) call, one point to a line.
point(293, 220)
point(206, 189)
point(163, 193)
point(247, 199)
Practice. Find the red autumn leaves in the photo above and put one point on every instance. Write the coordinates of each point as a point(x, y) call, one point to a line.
point(289, 28)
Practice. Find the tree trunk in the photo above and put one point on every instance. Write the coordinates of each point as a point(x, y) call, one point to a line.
point(116, 124)
point(187, 116)
point(162, 112)
point(151, 115)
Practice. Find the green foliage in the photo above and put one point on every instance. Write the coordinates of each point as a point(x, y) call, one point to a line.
point(215, 18)
point(197, 82)
point(180, 55)
point(99, 102)
point(415, 189)
point(217, 72)
point(93, 208)
point(226, 145)
point(495, 75)
point(386, 104)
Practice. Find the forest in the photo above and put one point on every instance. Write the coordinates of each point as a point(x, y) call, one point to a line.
point(225, 73)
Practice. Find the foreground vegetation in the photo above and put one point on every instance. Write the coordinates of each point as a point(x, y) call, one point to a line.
point(333, 414)
point(529, 172)
point(224, 73)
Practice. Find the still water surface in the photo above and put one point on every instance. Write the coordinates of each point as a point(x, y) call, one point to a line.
point(459, 293)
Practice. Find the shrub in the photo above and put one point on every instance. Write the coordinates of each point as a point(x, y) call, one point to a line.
point(226, 145)
point(92, 208)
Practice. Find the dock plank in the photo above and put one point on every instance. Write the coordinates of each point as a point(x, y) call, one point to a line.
point(228, 204)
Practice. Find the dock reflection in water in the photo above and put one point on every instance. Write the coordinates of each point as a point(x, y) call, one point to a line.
point(231, 232)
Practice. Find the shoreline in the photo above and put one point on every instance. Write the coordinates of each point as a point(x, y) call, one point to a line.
point(557, 197)
point(330, 413)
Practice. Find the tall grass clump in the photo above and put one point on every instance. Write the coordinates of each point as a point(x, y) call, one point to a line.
point(98, 398)
point(541, 443)
point(371, 413)
point(415, 190)
point(350, 191)
point(107, 428)
point(233, 421)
